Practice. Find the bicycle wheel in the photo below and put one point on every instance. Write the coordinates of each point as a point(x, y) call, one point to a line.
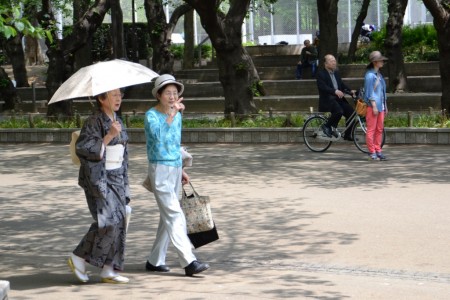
point(359, 135)
point(312, 134)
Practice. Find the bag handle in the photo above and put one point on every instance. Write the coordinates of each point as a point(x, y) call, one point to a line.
point(376, 82)
point(193, 190)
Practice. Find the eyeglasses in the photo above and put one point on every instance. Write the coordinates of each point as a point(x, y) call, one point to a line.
point(117, 95)
point(169, 94)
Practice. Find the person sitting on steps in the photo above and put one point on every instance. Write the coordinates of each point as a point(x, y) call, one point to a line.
point(331, 97)
point(308, 58)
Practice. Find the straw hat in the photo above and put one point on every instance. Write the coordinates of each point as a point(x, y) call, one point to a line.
point(376, 56)
point(164, 80)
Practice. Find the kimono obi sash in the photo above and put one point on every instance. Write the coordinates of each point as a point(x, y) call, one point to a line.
point(114, 156)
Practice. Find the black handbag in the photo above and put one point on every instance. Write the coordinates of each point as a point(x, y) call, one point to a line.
point(205, 237)
point(200, 225)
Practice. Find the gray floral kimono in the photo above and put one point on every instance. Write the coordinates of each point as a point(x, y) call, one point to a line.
point(107, 193)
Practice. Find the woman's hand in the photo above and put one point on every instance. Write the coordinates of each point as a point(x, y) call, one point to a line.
point(184, 178)
point(374, 107)
point(375, 111)
point(176, 107)
point(114, 131)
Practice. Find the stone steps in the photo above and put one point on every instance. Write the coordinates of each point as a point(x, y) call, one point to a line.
point(417, 102)
point(424, 84)
point(204, 93)
point(282, 71)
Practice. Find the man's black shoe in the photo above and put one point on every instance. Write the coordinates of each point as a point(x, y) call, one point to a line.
point(326, 130)
point(195, 267)
point(152, 268)
point(350, 138)
point(335, 133)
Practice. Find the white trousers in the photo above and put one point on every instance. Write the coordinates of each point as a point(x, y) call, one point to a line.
point(166, 184)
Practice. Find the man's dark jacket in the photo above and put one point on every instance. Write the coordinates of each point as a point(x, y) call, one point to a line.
point(326, 89)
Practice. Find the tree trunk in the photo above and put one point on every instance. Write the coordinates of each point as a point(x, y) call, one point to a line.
point(357, 31)
point(161, 33)
point(393, 44)
point(156, 20)
point(237, 73)
point(132, 39)
point(238, 81)
point(188, 55)
point(15, 53)
point(60, 53)
point(8, 92)
point(441, 20)
point(33, 53)
point(56, 72)
point(83, 56)
point(328, 13)
point(117, 30)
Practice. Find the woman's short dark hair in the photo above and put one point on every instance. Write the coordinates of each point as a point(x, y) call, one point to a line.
point(369, 66)
point(100, 96)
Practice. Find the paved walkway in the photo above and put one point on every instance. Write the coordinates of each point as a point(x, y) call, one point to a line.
point(293, 224)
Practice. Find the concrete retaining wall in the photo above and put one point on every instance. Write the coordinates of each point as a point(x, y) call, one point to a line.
point(435, 136)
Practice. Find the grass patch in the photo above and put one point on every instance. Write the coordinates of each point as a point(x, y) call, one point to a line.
point(428, 120)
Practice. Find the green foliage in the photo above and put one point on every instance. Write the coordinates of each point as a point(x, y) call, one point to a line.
point(240, 66)
point(206, 123)
point(4, 83)
point(248, 44)
point(12, 22)
point(423, 35)
point(102, 42)
point(419, 43)
point(206, 50)
point(256, 87)
point(177, 51)
point(432, 120)
point(261, 120)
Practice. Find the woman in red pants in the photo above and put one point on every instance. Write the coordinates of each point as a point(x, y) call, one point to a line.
point(375, 97)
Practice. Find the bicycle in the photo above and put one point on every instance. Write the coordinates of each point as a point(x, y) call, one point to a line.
point(316, 140)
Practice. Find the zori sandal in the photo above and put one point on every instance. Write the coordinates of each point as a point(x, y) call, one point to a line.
point(116, 279)
point(81, 276)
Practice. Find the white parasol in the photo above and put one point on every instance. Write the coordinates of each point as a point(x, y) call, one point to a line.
point(102, 77)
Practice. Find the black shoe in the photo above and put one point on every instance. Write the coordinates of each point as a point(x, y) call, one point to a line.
point(335, 133)
point(195, 267)
point(152, 268)
point(326, 130)
point(348, 138)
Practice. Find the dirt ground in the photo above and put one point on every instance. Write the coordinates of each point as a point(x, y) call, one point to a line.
point(36, 73)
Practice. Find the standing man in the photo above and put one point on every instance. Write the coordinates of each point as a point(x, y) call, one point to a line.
point(331, 97)
point(308, 58)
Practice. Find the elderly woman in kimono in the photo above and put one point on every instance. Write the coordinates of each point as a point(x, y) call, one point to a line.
point(102, 149)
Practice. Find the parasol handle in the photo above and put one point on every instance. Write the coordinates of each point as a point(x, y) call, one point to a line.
point(115, 119)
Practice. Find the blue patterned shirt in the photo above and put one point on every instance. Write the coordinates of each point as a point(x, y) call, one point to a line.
point(163, 140)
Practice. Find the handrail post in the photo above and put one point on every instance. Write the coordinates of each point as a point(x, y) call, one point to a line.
point(233, 119)
point(33, 88)
point(410, 118)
